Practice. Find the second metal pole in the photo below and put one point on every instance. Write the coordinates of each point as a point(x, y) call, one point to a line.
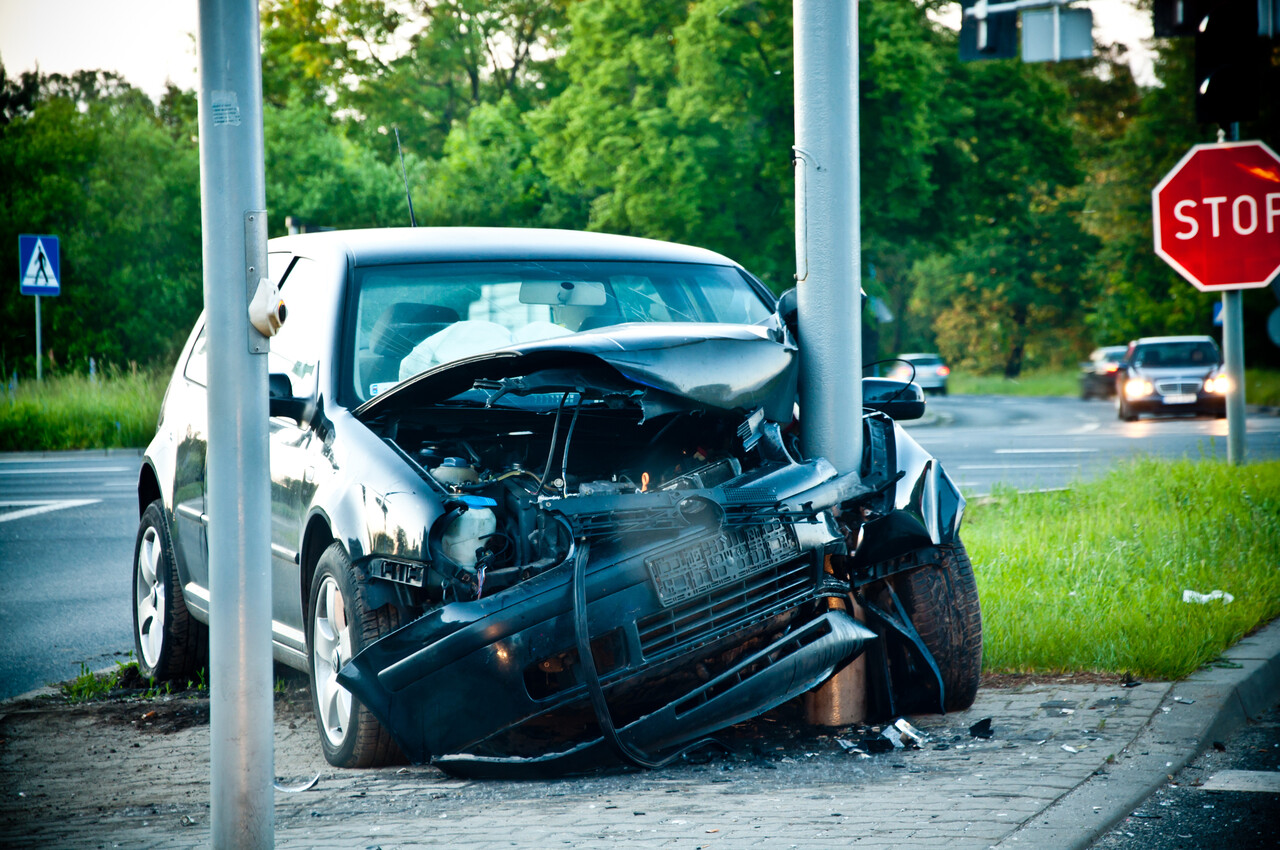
point(233, 225)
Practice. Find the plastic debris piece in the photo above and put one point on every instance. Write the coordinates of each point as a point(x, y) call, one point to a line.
point(300, 787)
point(1205, 598)
point(1070, 748)
point(912, 733)
point(981, 729)
point(894, 737)
point(1067, 710)
point(1184, 700)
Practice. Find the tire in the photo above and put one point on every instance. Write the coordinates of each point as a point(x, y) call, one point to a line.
point(942, 602)
point(339, 625)
point(1123, 410)
point(170, 643)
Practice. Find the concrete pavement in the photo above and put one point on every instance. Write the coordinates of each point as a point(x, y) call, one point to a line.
point(1064, 763)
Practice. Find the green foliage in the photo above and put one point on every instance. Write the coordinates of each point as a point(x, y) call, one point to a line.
point(1034, 382)
point(1005, 206)
point(1062, 574)
point(89, 685)
point(114, 410)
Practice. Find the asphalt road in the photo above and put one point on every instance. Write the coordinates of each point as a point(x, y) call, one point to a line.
point(1228, 797)
point(67, 526)
point(67, 521)
point(1045, 443)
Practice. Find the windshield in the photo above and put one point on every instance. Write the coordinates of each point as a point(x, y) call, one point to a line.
point(1176, 354)
point(411, 318)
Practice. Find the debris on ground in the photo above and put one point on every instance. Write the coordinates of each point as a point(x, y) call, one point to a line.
point(981, 729)
point(1206, 598)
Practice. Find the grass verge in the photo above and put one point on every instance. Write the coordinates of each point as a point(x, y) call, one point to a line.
point(1091, 579)
point(117, 410)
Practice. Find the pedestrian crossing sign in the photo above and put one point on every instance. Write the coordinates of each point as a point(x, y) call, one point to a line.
point(38, 265)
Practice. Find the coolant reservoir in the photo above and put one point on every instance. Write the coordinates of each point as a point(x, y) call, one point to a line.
point(454, 470)
point(468, 533)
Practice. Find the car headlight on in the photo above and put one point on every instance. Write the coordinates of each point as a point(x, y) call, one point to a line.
point(1137, 388)
point(1217, 384)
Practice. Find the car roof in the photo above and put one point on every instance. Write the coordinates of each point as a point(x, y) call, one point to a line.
point(1155, 339)
point(389, 245)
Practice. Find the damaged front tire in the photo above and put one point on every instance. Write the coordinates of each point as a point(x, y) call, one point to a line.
point(339, 625)
point(941, 601)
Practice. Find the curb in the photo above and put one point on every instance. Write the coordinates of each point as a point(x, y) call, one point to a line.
point(1215, 702)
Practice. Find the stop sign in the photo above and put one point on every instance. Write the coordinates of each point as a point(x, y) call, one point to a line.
point(1217, 216)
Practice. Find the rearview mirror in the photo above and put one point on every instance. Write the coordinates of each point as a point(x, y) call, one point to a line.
point(569, 293)
point(900, 400)
point(282, 402)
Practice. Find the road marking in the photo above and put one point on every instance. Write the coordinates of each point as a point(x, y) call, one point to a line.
point(1265, 781)
point(1043, 451)
point(1019, 466)
point(78, 470)
point(44, 508)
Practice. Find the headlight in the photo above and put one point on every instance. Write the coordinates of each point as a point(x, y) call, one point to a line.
point(1217, 384)
point(1137, 388)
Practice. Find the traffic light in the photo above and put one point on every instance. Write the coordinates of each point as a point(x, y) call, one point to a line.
point(995, 36)
point(1229, 61)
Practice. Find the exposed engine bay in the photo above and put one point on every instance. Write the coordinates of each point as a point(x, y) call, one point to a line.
point(706, 567)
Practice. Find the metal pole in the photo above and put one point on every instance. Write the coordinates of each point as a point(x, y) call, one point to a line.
point(39, 346)
point(233, 192)
point(828, 266)
point(1233, 352)
point(828, 239)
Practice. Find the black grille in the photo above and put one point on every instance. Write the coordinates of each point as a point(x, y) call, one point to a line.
point(728, 607)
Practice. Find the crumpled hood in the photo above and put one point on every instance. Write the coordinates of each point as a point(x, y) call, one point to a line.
point(718, 365)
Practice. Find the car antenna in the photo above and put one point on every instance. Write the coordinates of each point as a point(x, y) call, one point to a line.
point(413, 222)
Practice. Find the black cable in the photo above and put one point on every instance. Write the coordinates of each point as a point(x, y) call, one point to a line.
point(551, 453)
point(568, 438)
point(600, 705)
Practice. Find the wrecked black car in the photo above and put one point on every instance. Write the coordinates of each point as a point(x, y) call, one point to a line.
point(539, 503)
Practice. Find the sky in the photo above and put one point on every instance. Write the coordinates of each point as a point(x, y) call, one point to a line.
point(151, 42)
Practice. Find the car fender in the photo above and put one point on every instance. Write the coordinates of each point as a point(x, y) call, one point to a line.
point(375, 499)
point(923, 508)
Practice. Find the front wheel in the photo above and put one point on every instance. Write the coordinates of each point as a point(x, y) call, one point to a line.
point(942, 602)
point(339, 625)
point(1123, 410)
point(170, 643)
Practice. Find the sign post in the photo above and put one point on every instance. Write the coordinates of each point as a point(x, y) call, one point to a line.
point(1216, 218)
point(39, 274)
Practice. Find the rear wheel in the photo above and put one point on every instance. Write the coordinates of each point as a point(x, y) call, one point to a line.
point(339, 625)
point(170, 643)
point(942, 601)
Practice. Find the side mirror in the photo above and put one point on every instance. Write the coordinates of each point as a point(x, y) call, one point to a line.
point(788, 311)
point(901, 400)
point(282, 402)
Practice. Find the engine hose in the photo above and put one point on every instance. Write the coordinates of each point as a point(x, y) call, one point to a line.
point(604, 718)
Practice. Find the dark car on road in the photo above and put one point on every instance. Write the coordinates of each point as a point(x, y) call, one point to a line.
point(1098, 373)
point(1168, 375)
point(539, 502)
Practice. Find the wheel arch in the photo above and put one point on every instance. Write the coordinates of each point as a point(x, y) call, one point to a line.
point(315, 540)
point(148, 487)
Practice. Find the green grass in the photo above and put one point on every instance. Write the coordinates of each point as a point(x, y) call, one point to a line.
point(1091, 579)
point(1039, 383)
point(1261, 386)
point(117, 410)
